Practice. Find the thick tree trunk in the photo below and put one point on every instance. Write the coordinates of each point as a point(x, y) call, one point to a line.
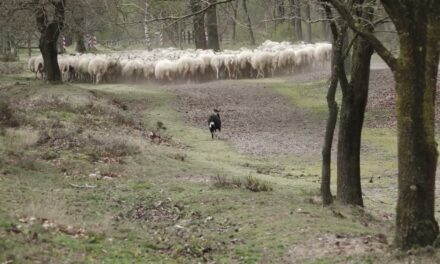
point(416, 79)
point(199, 25)
point(354, 101)
point(298, 23)
point(308, 24)
point(211, 19)
point(249, 23)
point(50, 31)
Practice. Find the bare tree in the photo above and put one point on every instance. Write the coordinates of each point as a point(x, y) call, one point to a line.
point(415, 72)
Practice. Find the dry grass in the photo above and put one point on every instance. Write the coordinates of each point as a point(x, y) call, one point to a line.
point(250, 183)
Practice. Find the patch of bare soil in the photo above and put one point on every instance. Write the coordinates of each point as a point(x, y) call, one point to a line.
point(255, 119)
point(330, 245)
point(382, 99)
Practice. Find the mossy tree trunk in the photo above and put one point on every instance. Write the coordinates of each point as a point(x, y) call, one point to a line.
point(416, 78)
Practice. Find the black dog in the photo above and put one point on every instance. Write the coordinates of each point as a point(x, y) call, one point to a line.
point(214, 123)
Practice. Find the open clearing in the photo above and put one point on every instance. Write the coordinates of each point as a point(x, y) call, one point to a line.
point(120, 173)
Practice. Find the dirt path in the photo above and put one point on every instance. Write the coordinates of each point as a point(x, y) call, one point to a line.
point(255, 119)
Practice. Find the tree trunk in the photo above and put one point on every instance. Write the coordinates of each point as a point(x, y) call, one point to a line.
point(298, 23)
point(249, 23)
point(50, 31)
point(416, 79)
point(308, 24)
point(147, 27)
point(211, 19)
point(199, 24)
point(337, 63)
point(354, 101)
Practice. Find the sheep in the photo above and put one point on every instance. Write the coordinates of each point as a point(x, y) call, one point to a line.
point(39, 67)
point(171, 64)
point(133, 70)
point(83, 67)
point(97, 69)
point(149, 70)
point(261, 62)
point(31, 64)
point(217, 62)
point(165, 70)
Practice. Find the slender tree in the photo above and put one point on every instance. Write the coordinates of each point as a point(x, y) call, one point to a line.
point(337, 68)
point(212, 28)
point(50, 22)
point(415, 71)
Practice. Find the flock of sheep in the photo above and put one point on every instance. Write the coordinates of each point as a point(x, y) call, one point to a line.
point(170, 64)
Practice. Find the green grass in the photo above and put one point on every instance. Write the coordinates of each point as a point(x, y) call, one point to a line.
point(226, 225)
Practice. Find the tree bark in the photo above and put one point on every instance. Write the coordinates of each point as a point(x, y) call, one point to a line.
point(416, 79)
point(199, 25)
point(50, 31)
point(308, 24)
point(211, 19)
point(249, 23)
point(354, 101)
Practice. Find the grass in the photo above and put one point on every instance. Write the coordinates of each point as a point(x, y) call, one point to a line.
point(80, 159)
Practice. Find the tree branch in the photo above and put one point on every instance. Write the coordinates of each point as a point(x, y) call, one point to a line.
point(383, 52)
